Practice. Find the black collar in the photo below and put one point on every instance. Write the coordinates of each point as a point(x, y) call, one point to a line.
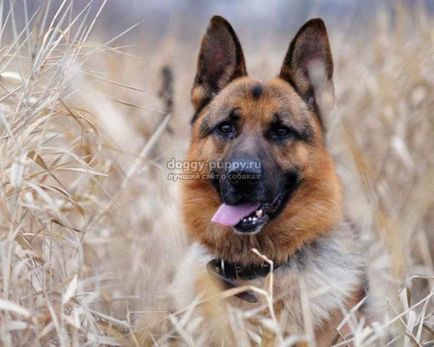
point(237, 271)
point(227, 273)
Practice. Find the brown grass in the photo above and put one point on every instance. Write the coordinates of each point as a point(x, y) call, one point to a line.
point(90, 233)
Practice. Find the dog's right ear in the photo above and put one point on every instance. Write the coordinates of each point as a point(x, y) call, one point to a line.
point(220, 61)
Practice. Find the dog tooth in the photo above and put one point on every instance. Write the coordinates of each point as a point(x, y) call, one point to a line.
point(254, 219)
point(250, 219)
point(259, 213)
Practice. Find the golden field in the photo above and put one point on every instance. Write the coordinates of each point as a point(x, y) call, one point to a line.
point(90, 232)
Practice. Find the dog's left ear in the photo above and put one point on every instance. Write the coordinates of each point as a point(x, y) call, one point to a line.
point(308, 66)
point(220, 61)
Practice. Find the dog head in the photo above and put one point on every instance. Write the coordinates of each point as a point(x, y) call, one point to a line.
point(269, 181)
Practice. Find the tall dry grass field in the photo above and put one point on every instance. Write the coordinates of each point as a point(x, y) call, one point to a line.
point(90, 234)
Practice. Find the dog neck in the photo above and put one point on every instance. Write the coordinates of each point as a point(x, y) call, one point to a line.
point(228, 273)
point(231, 274)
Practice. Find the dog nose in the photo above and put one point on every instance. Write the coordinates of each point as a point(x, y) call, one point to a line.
point(244, 173)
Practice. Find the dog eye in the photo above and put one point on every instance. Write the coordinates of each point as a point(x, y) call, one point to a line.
point(280, 132)
point(225, 128)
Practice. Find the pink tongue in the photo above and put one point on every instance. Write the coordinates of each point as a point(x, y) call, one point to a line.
point(230, 215)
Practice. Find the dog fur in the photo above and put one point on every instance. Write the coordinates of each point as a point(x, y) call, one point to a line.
point(311, 236)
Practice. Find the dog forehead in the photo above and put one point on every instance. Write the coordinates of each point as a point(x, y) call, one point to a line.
point(267, 97)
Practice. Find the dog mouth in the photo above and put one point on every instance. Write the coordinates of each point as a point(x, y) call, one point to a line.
point(248, 218)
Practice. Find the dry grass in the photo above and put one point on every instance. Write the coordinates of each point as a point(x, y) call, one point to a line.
point(90, 234)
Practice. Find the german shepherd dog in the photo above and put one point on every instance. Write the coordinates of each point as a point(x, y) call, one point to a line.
point(276, 189)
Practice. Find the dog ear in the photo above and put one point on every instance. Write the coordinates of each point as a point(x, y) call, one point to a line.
point(220, 61)
point(308, 66)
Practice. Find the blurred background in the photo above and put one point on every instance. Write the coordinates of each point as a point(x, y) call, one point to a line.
point(95, 100)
